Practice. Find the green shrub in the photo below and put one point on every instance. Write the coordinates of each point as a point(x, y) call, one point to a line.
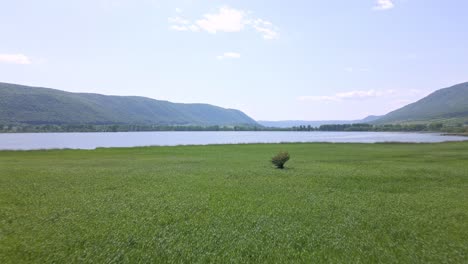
point(280, 159)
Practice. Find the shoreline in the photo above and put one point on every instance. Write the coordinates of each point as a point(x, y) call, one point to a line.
point(455, 134)
point(222, 131)
point(235, 145)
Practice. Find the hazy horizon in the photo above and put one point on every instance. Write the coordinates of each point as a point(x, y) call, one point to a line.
point(305, 60)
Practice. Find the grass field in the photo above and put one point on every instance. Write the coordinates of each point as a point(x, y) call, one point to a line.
point(335, 203)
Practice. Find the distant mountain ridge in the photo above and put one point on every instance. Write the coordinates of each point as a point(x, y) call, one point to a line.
point(315, 123)
point(20, 104)
point(444, 105)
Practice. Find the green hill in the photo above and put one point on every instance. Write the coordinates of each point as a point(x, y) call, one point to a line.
point(448, 105)
point(21, 104)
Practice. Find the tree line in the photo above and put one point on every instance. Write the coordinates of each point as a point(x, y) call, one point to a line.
point(27, 128)
point(431, 127)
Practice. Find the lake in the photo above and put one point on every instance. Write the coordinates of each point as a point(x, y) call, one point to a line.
point(30, 141)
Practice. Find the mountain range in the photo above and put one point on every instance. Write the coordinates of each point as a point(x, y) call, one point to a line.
point(21, 104)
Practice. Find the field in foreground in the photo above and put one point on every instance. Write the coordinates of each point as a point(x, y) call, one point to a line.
point(334, 203)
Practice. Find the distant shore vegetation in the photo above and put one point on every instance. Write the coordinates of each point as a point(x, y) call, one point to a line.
point(431, 127)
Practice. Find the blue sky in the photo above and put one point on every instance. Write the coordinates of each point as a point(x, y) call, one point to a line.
point(275, 60)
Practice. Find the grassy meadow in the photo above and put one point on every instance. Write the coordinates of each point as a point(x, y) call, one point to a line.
point(334, 203)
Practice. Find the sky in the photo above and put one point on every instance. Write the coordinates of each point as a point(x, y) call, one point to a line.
point(272, 59)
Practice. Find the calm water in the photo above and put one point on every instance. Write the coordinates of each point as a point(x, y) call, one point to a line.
point(29, 141)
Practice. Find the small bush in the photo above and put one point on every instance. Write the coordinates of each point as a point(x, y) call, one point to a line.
point(280, 159)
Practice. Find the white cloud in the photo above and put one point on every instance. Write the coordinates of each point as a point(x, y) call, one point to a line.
point(226, 19)
point(178, 10)
point(15, 59)
point(266, 28)
point(351, 95)
point(193, 28)
point(181, 24)
point(229, 55)
point(384, 5)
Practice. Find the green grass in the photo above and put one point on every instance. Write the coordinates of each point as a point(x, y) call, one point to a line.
point(334, 203)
